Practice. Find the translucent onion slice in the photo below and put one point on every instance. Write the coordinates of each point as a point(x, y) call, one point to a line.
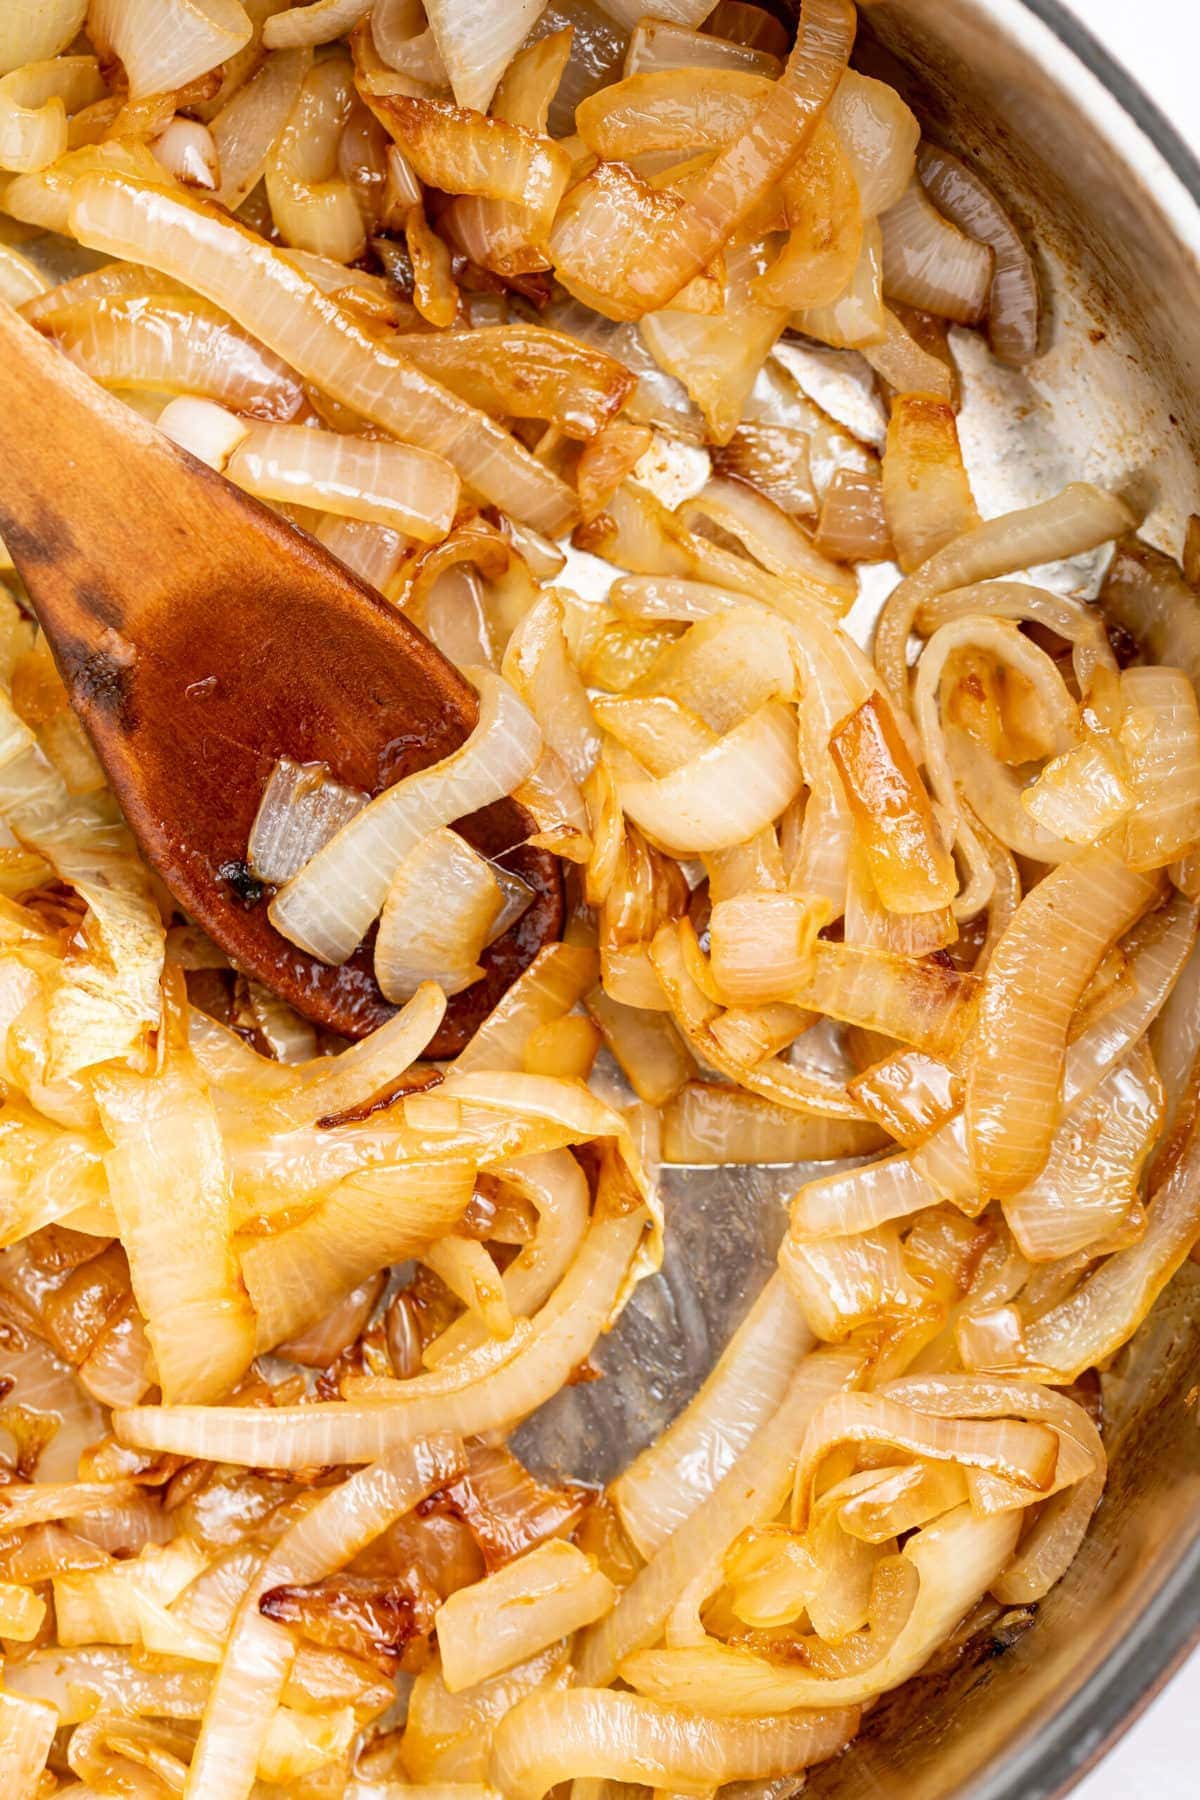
point(1038, 973)
point(441, 906)
point(451, 148)
point(841, 1284)
point(27, 1729)
point(1080, 795)
point(825, 228)
point(301, 809)
point(509, 1383)
point(547, 1594)
point(908, 366)
point(879, 134)
point(396, 485)
point(752, 1491)
point(657, 44)
point(910, 867)
point(1089, 1186)
point(34, 103)
point(33, 32)
point(20, 281)
point(775, 540)
point(663, 1487)
point(725, 794)
point(369, 1222)
point(313, 206)
point(358, 864)
point(166, 1140)
point(673, 109)
point(930, 264)
point(537, 662)
point(1145, 592)
point(317, 23)
point(709, 1125)
point(927, 494)
point(853, 526)
point(1079, 519)
point(525, 372)
point(957, 1558)
point(1160, 738)
point(677, 245)
point(652, 1056)
point(187, 152)
point(477, 42)
point(558, 977)
point(553, 1736)
point(910, 1093)
point(176, 345)
point(271, 298)
point(763, 945)
point(164, 46)
point(249, 125)
point(1014, 304)
point(258, 1652)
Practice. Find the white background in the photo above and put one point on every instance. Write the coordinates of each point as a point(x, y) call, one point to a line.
point(1159, 42)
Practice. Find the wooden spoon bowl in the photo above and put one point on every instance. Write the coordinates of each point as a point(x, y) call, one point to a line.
point(201, 638)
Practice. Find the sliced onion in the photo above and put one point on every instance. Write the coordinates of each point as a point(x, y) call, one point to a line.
point(853, 526)
point(1079, 519)
point(317, 23)
point(825, 229)
point(302, 808)
point(725, 794)
point(926, 491)
point(34, 102)
point(662, 1488)
point(551, 1737)
point(907, 365)
point(658, 44)
point(166, 45)
point(259, 1653)
point(752, 1491)
point(313, 206)
point(271, 298)
point(1014, 303)
point(719, 1126)
point(177, 345)
point(1160, 738)
point(957, 1558)
point(31, 33)
point(361, 860)
point(538, 665)
point(533, 1366)
point(27, 1729)
point(675, 109)
point(389, 484)
point(910, 867)
point(188, 153)
point(1014, 1086)
point(1145, 592)
point(441, 906)
point(250, 124)
point(558, 976)
point(763, 945)
point(477, 42)
point(545, 1595)
point(929, 263)
point(880, 136)
point(1080, 795)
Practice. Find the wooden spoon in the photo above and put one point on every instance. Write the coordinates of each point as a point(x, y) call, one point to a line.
point(201, 638)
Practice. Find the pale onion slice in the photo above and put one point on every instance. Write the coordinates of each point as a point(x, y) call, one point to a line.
point(313, 206)
point(1038, 973)
point(250, 124)
point(369, 1222)
point(842, 1284)
point(859, 1200)
point(662, 1488)
point(725, 794)
point(20, 281)
point(714, 1126)
point(1014, 304)
point(919, 1002)
point(1080, 623)
point(1146, 593)
point(317, 23)
point(1080, 795)
point(538, 664)
point(32, 30)
point(34, 103)
point(910, 867)
point(930, 264)
point(671, 110)
point(332, 1085)
point(1079, 519)
point(1160, 739)
point(164, 44)
point(301, 809)
point(857, 319)
point(27, 1729)
point(771, 537)
point(558, 977)
point(404, 41)
point(718, 357)
point(689, 13)
point(167, 1142)
point(258, 1652)
point(521, 371)
point(553, 1183)
point(178, 345)
point(273, 299)
point(905, 364)
point(651, 1054)
point(187, 152)
point(957, 1559)
point(752, 1491)
point(1089, 1187)
point(448, 1737)
point(824, 218)
point(438, 916)
point(763, 945)
point(927, 494)
point(329, 905)
point(910, 1093)
point(595, 1732)
point(511, 1381)
point(853, 526)
point(477, 42)
point(657, 44)
point(879, 134)
point(396, 485)
point(547, 1594)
